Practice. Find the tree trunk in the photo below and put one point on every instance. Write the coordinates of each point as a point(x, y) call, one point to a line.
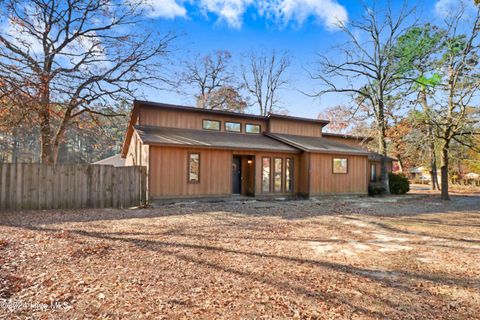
point(401, 168)
point(14, 145)
point(45, 136)
point(44, 115)
point(444, 172)
point(60, 136)
point(383, 150)
point(430, 142)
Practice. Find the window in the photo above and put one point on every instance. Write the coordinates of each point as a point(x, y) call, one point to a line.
point(252, 128)
point(266, 175)
point(277, 175)
point(373, 172)
point(289, 174)
point(193, 168)
point(340, 165)
point(233, 126)
point(211, 124)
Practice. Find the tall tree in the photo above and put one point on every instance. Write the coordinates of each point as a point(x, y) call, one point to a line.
point(456, 116)
point(208, 77)
point(71, 57)
point(417, 52)
point(264, 75)
point(226, 98)
point(363, 67)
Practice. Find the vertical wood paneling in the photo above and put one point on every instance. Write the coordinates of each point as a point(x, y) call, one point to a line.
point(295, 127)
point(167, 173)
point(189, 120)
point(324, 181)
point(38, 186)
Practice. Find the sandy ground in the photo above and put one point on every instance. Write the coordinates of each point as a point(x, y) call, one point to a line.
point(410, 257)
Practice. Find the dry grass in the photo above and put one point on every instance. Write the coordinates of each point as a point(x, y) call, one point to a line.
point(398, 258)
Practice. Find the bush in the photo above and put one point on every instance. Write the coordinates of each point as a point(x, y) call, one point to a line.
point(399, 184)
point(375, 189)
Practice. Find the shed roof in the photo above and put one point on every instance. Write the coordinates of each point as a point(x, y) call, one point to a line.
point(317, 144)
point(116, 161)
point(137, 104)
point(209, 139)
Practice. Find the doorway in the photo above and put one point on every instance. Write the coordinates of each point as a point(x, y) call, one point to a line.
point(243, 175)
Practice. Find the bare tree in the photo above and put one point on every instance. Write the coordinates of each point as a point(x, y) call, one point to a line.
point(207, 76)
point(71, 57)
point(264, 76)
point(226, 98)
point(456, 116)
point(363, 68)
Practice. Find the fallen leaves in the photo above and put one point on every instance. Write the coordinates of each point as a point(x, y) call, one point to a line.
point(90, 249)
point(318, 259)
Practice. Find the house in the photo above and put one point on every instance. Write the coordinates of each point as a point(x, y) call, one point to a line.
point(115, 160)
point(193, 152)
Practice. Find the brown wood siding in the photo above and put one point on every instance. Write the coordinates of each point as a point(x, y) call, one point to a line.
point(324, 181)
point(168, 172)
point(295, 127)
point(378, 168)
point(137, 153)
point(304, 175)
point(189, 120)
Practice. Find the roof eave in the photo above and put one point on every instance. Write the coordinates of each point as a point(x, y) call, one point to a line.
point(293, 118)
point(152, 143)
point(129, 133)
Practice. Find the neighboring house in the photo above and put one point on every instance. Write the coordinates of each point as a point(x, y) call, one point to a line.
point(422, 175)
point(116, 161)
point(192, 152)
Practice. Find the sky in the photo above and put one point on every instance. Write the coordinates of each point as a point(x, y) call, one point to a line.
point(303, 28)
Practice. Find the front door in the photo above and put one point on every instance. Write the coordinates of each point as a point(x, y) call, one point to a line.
point(236, 175)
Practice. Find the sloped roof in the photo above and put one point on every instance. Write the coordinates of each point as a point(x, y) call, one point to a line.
point(116, 161)
point(209, 139)
point(317, 144)
point(137, 104)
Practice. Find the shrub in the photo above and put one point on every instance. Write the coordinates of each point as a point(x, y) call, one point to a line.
point(399, 184)
point(375, 189)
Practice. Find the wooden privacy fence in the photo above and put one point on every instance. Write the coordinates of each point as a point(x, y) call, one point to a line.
point(40, 186)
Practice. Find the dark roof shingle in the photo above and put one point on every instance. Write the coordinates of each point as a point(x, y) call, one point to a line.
point(317, 144)
point(212, 139)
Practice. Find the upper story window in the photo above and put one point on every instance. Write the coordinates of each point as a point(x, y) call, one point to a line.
point(340, 165)
point(252, 128)
point(211, 125)
point(233, 126)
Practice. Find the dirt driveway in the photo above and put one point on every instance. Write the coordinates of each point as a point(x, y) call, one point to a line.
point(333, 258)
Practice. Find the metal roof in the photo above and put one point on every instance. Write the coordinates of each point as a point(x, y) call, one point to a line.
point(209, 139)
point(317, 144)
